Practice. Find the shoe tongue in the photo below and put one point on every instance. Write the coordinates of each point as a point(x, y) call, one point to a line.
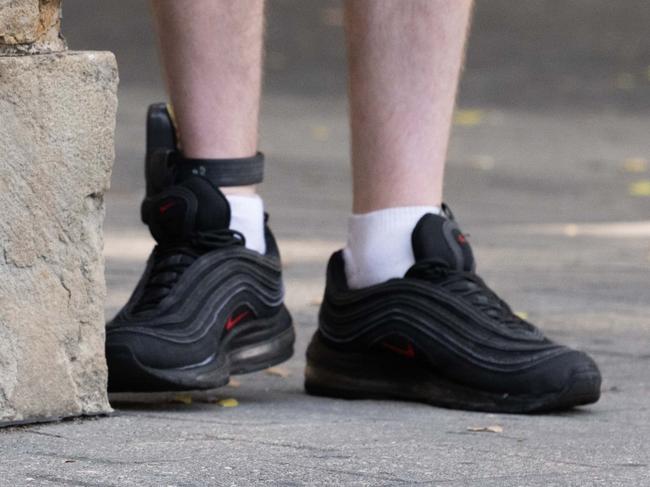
point(437, 237)
point(191, 206)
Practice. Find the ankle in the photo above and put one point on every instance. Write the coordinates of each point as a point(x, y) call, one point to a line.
point(379, 244)
point(247, 217)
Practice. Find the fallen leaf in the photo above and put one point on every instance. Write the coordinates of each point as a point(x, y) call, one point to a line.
point(228, 403)
point(635, 164)
point(640, 188)
point(468, 118)
point(183, 398)
point(522, 314)
point(234, 382)
point(278, 372)
point(486, 429)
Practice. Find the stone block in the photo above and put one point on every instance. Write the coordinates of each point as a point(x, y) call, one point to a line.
point(57, 117)
point(30, 26)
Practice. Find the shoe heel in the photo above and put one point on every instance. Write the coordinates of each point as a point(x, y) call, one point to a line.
point(346, 375)
point(127, 374)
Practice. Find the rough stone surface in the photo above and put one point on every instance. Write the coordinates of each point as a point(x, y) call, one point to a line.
point(57, 115)
point(30, 26)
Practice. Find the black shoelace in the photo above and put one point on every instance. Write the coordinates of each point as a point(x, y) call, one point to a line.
point(170, 261)
point(472, 288)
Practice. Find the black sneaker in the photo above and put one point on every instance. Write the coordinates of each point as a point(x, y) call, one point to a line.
point(441, 336)
point(206, 306)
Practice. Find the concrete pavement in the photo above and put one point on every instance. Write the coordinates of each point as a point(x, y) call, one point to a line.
point(548, 173)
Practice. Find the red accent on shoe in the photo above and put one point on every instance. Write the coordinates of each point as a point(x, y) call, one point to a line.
point(232, 321)
point(166, 206)
point(461, 239)
point(409, 351)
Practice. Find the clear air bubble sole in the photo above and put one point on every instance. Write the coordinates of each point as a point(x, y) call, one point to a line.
point(134, 381)
point(332, 373)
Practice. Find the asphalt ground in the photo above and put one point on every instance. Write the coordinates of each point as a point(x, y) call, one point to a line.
point(549, 174)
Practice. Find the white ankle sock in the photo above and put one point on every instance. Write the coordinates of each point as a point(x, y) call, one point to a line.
point(247, 217)
point(379, 244)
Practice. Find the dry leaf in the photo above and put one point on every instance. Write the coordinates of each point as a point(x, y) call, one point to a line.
point(183, 398)
point(635, 164)
point(228, 403)
point(486, 429)
point(522, 314)
point(278, 371)
point(468, 118)
point(640, 188)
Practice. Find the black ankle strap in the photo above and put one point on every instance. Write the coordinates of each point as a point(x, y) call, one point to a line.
point(222, 172)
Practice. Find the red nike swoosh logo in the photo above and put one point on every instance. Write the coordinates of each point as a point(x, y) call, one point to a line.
point(409, 351)
point(232, 321)
point(166, 207)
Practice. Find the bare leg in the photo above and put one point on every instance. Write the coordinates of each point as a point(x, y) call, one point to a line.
point(405, 58)
point(212, 55)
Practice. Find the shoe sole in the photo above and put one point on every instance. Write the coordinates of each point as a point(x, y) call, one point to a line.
point(361, 376)
point(135, 381)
